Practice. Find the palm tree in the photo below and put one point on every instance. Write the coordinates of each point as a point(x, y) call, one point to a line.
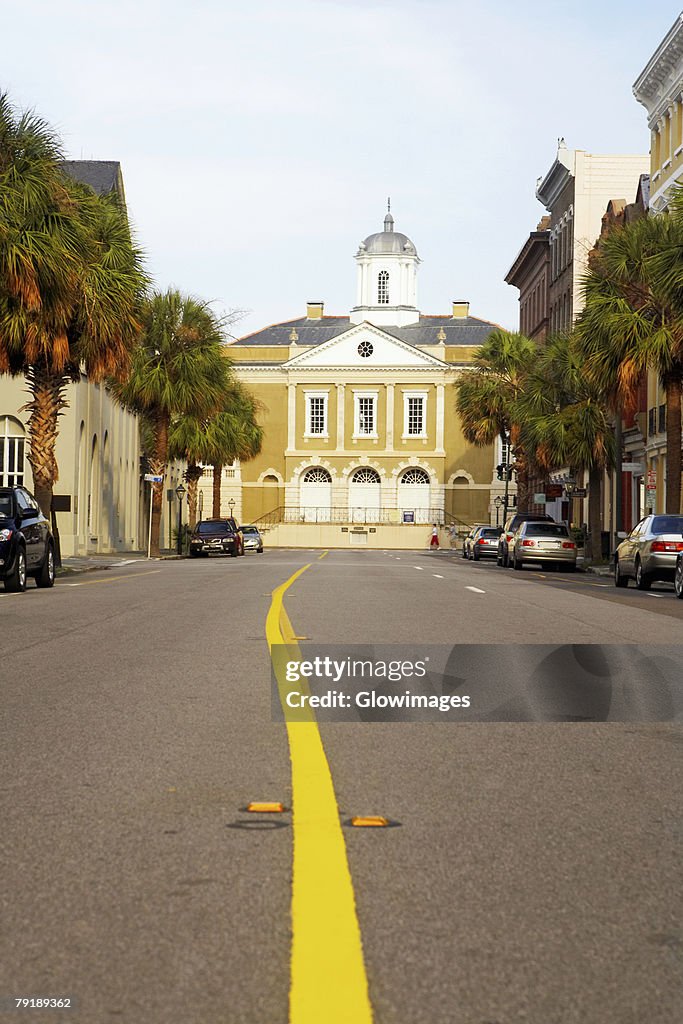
point(234, 434)
point(179, 369)
point(230, 433)
point(487, 396)
point(566, 421)
point(633, 321)
point(71, 281)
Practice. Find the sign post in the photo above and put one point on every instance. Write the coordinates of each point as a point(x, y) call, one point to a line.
point(151, 479)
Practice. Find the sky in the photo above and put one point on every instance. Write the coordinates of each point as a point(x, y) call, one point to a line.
point(259, 141)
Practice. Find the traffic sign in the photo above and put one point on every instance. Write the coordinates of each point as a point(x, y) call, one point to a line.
point(633, 467)
point(152, 479)
point(578, 492)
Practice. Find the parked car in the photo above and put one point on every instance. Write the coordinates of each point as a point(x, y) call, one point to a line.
point(484, 543)
point(678, 576)
point(218, 537)
point(253, 541)
point(547, 543)
point(650, 552)
point(27, 547)
point(512, 524)
point(466, 544)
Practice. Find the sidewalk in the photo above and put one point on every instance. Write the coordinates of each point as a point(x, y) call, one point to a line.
point(95, 562)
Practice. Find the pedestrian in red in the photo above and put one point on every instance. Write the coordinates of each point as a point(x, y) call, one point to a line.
point(434, 542)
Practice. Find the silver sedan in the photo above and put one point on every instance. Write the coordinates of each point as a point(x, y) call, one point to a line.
point(649, 552)
point(548, 543)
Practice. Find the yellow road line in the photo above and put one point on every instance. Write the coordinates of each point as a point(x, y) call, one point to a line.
point(322, 556)
point(328, 980)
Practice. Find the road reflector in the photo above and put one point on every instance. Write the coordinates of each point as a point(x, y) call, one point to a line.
point(369, 821)
point(265, 807)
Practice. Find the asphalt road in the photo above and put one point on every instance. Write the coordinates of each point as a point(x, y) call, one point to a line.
point(535, 871)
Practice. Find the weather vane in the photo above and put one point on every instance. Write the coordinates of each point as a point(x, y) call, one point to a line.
point(388, 204)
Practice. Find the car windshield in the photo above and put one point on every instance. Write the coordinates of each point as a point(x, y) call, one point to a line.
point(667, 524)
point(490, 533)
point(546, 530)
point(249, 529)
point(215, 529)
point(5, 506)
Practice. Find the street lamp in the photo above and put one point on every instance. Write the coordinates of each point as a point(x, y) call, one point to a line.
point(180, 491)
point(231, 503)
point(497, 502)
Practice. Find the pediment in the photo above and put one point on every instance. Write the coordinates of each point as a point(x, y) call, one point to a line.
point(384, 350)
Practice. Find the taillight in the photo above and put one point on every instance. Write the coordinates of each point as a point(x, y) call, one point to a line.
point(528, 543)
point(667, 545)
point(568, 544)
point(482, 541)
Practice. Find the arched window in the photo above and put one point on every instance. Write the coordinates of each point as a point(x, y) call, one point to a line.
point(415, 476)
point(383, 288)
point(12, 443)
point(317, 475)
point(365, 475)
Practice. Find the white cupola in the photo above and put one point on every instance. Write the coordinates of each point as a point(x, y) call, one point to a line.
point(387, 279)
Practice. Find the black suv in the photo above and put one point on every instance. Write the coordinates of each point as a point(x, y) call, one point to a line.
point(216, 536)
point(512, 524)
point(26, 544)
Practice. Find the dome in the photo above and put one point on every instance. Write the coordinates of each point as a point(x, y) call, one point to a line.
point(388, 241)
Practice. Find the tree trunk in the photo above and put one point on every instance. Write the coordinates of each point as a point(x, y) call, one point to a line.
point(593, 550)
point(522, 485)
point(672, 385)
point(217, 475)
point(192, 476)
point(157, 466)
point(47, 401)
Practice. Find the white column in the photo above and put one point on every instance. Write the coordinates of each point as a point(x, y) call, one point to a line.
point(672, 122)
point(291, 416)
point(390, 417)
point(341, 392)
point(439, 417)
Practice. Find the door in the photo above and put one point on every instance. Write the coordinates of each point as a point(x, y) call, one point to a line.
point(414, 494)
point(315, 495)
point(365, 496)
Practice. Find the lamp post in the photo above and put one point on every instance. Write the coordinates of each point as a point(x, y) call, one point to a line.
point(180, 491)
point(497, 502)
point(231, 503)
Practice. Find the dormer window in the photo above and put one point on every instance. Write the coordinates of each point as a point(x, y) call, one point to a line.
point(383, 288)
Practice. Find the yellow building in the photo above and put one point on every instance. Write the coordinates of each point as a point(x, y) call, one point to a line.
point(362, 442)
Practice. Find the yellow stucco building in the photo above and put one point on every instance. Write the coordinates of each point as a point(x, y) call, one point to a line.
point(362, 443)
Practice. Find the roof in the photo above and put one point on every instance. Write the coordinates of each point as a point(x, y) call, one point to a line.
point(102, 176)
point(467, 330)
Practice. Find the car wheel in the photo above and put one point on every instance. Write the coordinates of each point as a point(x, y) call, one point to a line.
point(16, 582)
point(499, 559)
point(516, 563)
point(678, 579)
point(643, 580)
point(619, 579)
point(259, 551)
point(46, 576)
point(194, 554)
point(234, 552)
point(475, 555)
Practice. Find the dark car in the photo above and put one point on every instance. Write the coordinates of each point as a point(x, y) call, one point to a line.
point(26, 544)
point(484, 543)
point(253, 541)
point(218, 537)
point(512, 524)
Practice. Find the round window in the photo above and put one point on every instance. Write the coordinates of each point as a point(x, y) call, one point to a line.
point(365, 349)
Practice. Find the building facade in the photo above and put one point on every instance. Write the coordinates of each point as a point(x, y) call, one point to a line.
point(362, 440)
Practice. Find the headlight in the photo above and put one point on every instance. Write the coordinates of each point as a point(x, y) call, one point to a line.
point(5, 534)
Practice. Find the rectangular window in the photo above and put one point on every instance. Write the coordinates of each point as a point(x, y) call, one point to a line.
point(316, 414)
point(662, 419)
point(414, 414)
point(365, 403)
point(652, 422)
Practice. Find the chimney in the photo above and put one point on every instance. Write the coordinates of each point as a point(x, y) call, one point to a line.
point(461, 309)
point(314, 310)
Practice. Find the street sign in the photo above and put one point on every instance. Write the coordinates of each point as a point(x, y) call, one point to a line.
point(578, 492)
point(633, 467)
point(408, 515)
point(152, 479)
point(553, 491)
point(539, 499)
point(651, 479)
